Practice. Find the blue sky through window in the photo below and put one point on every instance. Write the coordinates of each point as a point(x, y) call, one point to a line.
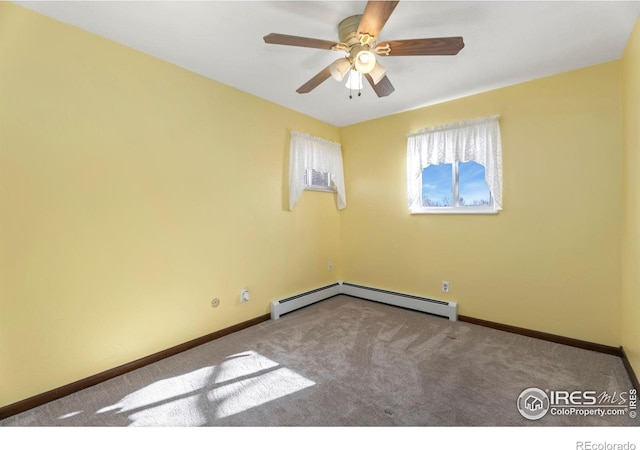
point(436, 185)
point(472, 187)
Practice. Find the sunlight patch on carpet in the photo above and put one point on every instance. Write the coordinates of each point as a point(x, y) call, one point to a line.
point(241, 382)
point(242, 395)
point(71, 414)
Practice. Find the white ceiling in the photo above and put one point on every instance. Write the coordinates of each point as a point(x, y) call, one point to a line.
point(506, 42)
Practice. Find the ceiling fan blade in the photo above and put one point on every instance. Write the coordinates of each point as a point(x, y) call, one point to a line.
point(383, 87)
point(314, 82)
point(298, 41)
point(415, 47)
point(374, 17)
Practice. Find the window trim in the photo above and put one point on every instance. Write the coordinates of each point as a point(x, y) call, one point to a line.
point(451, 210)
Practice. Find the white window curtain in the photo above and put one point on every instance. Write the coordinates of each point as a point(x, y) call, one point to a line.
point(310, 152)
point(473, 140)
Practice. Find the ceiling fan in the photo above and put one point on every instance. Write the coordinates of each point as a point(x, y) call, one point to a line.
point(358, 35)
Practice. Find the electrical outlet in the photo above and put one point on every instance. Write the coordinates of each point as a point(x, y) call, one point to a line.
point(215, 302)
point(244, 295)
point(445, 287)
point(330, 266)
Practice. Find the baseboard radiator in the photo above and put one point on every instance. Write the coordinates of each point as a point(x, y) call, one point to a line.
point(286, 305)
point(436, 307)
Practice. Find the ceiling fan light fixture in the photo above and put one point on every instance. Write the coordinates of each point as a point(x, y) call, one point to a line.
point(339, 68)
point(377, 73)
point(354, 82)
point(365, 61)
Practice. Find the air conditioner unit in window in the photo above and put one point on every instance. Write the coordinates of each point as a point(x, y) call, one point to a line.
point(319, 181)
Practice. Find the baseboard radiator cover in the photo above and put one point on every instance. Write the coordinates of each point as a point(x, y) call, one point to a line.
point(286, 305)
point(435, 307)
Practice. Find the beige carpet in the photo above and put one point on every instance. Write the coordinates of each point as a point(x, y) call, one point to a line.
point(345, 362)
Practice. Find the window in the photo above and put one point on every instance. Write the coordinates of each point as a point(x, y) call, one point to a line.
point(315, 164)
point(456, 168)
point(456, 186)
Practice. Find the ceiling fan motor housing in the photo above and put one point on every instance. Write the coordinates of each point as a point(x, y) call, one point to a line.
point(360, 54)
point(348, 30)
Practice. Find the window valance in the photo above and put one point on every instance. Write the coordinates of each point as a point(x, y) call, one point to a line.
point(311, 152)
point(473, 140)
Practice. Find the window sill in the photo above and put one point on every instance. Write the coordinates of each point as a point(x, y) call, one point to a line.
point(488, 211)
point(319, 189)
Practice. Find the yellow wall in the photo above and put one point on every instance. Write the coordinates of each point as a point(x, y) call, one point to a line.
point(631, 199)
point(550, 261)
point(132, 192)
